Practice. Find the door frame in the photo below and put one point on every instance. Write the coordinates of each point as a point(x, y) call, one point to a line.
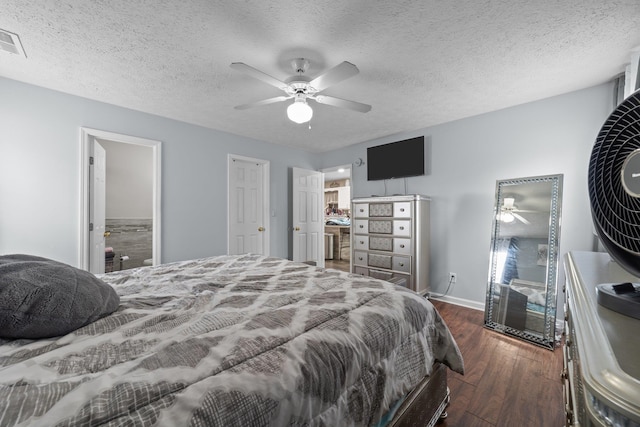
point(265, 198)
point(87, 138)
point(350, 178)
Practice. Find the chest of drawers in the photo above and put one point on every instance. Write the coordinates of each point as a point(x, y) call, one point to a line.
point(601, 375)
point(390, 239)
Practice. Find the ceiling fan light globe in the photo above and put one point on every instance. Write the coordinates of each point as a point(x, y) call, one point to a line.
point(507, 217)
point(299, 112)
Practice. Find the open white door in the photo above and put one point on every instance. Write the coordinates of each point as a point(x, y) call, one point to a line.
point(248, 206)
point(87, 234)
point(308, 216)
point(97, 214)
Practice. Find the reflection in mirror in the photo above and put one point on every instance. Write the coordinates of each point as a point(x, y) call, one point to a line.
point(521, 292)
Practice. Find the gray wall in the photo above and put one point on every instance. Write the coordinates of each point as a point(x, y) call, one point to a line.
point(40, 182)
point(129, 187)
point(40, 175)
point(466, 157)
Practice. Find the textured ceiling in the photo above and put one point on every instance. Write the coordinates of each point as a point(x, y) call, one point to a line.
point(421, 62)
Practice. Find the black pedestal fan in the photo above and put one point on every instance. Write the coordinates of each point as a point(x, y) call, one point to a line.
point(614, 193)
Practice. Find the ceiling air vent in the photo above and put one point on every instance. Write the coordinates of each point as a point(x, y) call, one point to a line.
point(10, 42)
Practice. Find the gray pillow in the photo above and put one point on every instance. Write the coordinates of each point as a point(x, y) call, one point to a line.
point(41, 298)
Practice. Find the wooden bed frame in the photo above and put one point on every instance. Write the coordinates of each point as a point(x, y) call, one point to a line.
point(426, 404)
point(428, 400)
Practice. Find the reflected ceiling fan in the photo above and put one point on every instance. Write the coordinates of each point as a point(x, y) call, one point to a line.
point(301, 88)
point(510, 212)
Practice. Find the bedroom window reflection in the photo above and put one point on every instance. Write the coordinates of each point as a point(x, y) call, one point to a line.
point(507, 259)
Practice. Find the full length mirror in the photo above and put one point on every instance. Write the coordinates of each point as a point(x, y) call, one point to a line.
point(522, 290)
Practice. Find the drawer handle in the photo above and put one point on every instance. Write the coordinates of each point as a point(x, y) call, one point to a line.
point(361, 210)
point(402, 264)
point(362, 242)
point(401, 209)
point(361, 226)
point(401, 227)
point(402, 246)
point(360, 258)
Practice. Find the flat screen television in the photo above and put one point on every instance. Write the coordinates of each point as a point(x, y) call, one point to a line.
point(396, 160)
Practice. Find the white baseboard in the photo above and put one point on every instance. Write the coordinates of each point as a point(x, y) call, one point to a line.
point(459, 301)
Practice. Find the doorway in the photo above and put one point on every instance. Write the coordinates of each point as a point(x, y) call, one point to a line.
point(337, 219)
point(120, 201)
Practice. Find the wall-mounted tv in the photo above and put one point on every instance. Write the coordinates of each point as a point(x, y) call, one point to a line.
point(396, 160)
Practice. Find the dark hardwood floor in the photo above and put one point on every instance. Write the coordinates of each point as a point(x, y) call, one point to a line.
point(507, 382)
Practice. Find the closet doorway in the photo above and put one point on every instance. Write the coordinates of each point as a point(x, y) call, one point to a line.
point(337, 217)
point(120, 206)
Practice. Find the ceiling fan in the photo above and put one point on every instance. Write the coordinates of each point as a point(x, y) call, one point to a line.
point(301, 88)
point(509, 212)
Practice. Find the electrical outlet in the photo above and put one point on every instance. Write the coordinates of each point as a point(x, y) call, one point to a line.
point(453, 277)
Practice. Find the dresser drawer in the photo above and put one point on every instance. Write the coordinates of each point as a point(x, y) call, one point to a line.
point(360, 226)
point(381, 244)
point(381, 226)
point(405, 279)
point(361, 210)
point(381, 210)
point(386, 244)
point(401, 263)
point(361, 242)
point(361, 270)
point(360, 258)
point(402, 209)
point(402, 246)
point(402, 227)
point(385, 275)
point(382, 261)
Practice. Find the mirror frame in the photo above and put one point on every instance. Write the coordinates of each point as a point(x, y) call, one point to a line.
point(547, 337)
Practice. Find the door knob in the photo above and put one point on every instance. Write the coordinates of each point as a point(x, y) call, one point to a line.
point(297, 228)
point(107, 233)
point(260, 228)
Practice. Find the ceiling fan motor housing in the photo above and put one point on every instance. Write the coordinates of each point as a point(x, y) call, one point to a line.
point(614, 184)
point(300, 65)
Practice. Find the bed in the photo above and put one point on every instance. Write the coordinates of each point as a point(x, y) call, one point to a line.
point(524, 305)
point(242, 340)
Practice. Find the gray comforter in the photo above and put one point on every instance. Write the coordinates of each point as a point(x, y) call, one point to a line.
point(230, 341)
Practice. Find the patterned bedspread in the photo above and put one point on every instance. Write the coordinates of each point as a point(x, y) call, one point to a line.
point(230, 341)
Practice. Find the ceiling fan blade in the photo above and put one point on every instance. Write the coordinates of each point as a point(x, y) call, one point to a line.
point(521, 218)
point(335, 75)
point(257, 74)
point(343, 103)
point(263, 102)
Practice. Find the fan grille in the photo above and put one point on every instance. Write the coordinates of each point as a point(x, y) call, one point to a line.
point(615, 206)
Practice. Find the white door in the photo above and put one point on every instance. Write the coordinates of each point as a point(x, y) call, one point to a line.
point(89, 139)
point(248, 213)
point(308, 216)
point(97, 207)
